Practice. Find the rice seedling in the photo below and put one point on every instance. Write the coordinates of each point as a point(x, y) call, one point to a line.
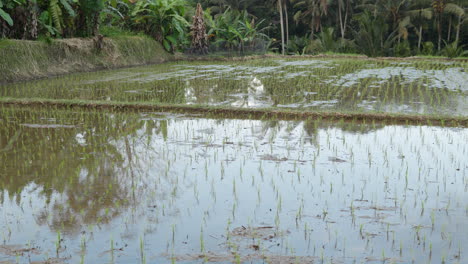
point(321, 85)
point(151, 177)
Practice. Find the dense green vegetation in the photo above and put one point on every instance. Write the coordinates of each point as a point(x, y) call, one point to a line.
point(374, 28)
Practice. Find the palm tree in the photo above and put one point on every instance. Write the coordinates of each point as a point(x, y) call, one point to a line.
point(285, 3)
point(372, 38)
point(281, 5)
point(439, 7)
point(459, 12)
point(280, 9)
point(311, 13)
point(344, 5)
point(390, 9)
point(419, 13)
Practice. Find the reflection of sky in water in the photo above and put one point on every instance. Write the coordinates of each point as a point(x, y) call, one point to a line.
point(308, 84)
point(189, 72)
point(357, 190)
point(452, 78)
point(255, 97)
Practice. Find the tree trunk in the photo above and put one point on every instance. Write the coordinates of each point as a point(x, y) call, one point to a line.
point(457, 38)
point(280, 8)
point(439, 32)
point(420, 38)
point(95, 29)
point(32, 20)
point(286, 20)
point(449, 30)
point(4, 28)
point(345, 22)
point(341, 20)
point(312, 31)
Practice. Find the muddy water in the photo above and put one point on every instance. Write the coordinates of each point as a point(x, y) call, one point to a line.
point(424, 87)
point(100, 187)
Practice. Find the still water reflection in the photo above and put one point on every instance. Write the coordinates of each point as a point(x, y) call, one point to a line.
point(97, 187)
point(424, 87)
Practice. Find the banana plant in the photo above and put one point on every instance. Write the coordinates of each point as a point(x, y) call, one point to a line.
point(54, 14)
point(4, 15)
point(88, 17)
point(164, 20)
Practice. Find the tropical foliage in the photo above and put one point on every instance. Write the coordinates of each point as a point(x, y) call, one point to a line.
point(236, 30)
point(162, 19)
point(372, 27)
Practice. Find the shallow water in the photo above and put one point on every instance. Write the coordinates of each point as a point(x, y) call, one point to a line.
point(417, 87)
point(110, 187)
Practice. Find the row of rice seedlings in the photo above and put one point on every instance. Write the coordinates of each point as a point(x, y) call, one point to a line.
point(371, 183)
point(318, 85)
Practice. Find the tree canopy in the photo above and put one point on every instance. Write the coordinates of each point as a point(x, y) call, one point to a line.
point(375, 28)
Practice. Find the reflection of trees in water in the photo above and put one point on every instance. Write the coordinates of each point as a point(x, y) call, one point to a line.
point(214, 90)
point(131, 90)
point(376, 94)
point(312, 127)
point(87, 174)
point(110, 161)
point(394, 93)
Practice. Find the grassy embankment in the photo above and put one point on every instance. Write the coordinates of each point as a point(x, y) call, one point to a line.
point(26, 60)
point(242, 113)
point(22, 60)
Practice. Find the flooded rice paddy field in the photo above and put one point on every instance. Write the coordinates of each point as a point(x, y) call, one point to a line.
point(114, 187)
point(391, 86)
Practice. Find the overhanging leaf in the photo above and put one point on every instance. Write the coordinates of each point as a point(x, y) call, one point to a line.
point(5, 16)
point(166, 45)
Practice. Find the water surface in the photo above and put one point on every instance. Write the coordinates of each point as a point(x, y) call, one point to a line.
point(415, 87)
point(112, 187)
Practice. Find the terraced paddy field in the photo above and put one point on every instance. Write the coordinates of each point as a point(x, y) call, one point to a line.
point(345, 85)
point(98, 179)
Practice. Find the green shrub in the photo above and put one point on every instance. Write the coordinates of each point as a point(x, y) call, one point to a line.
point(346, 46)
point(453, 50)
point(402, 49)
point(428, 48)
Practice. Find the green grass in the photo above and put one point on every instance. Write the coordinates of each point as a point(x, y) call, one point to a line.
point(439, 57)
point(24, 60)
point(331, 53)
point(115, 32)
point(242, 113)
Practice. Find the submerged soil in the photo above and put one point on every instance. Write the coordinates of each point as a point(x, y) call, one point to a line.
point(262, 161)
point(152, 187)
